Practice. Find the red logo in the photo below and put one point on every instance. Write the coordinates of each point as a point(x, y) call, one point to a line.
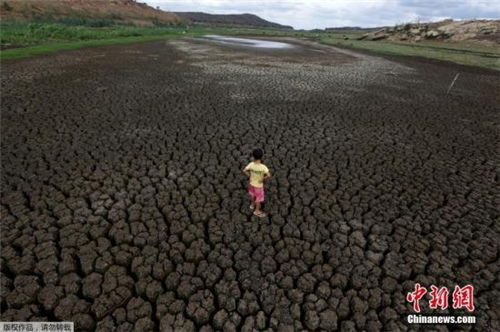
point(462, 297)
point(416, 296)
point(439, 298)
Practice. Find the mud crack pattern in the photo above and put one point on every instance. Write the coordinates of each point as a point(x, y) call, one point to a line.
point(123, 206)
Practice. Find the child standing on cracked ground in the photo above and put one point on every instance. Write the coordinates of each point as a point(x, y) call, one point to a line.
point(257, 172)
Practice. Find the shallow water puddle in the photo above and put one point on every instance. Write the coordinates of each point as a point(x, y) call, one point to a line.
point(258, 43)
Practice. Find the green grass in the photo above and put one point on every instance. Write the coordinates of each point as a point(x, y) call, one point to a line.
point(47, 38)
point(43, 33)
point(76, 21)
point(465, 54)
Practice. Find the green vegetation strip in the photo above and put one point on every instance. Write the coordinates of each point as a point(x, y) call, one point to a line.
point(471, 55)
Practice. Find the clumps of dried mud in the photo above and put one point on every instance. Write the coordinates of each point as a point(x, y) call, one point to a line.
point(123, 207)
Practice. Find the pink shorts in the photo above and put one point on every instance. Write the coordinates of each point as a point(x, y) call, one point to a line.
point(256, 193)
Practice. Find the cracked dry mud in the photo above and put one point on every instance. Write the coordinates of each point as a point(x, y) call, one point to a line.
point(124, 208)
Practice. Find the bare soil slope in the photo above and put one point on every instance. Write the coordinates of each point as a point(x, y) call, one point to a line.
point(124, 10)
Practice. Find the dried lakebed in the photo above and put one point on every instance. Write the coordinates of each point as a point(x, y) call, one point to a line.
point(123, 206)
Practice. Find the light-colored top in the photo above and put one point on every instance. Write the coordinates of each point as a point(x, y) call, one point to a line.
point(257, 172)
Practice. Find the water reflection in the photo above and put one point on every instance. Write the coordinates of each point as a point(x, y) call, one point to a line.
point(248, 42)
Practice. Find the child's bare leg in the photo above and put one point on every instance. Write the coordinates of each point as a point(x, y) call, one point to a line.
point(252, 204)
point(257, 207)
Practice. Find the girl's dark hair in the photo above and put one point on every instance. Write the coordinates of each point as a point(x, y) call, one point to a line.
point(257, 154)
